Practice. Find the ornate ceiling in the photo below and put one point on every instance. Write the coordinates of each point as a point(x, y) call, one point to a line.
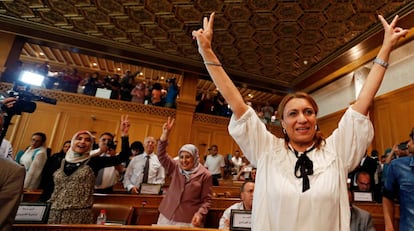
point(272, 46)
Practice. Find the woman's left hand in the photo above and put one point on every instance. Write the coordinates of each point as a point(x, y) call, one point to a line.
point(196, 221)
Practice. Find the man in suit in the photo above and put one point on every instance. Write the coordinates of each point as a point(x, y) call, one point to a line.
point(11, 184)
point(361, 220)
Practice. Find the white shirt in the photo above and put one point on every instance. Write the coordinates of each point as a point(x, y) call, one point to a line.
point(279, 203)
point(109, 176)
point(135, 171)
point(6, 150)
point(227, 214)
point(237, 162)
point(215, 163)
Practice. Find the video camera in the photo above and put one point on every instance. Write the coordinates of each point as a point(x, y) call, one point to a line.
point(25, 98)
point(111, 145)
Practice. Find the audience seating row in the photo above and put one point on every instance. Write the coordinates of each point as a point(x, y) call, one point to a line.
point(80, 227)
point(145, 208)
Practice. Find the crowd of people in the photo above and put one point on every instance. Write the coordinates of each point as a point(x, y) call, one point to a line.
point(129, 87)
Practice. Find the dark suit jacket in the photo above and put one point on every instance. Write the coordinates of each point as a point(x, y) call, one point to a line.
point(11, 187)
point(361, 220)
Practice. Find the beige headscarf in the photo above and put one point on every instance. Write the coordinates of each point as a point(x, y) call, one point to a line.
point(73, 157)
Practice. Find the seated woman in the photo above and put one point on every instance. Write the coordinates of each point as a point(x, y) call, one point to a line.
point(72, 196)
point(189, 194)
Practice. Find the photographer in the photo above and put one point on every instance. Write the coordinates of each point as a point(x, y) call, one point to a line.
point(399, 150)
point(11, 183)
point(106, 177)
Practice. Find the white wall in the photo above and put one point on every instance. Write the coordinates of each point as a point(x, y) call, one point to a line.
point(338, 95)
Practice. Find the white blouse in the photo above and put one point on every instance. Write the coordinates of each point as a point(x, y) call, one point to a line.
point(279, 203)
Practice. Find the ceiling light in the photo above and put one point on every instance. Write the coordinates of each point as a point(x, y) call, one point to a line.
point(94, 64)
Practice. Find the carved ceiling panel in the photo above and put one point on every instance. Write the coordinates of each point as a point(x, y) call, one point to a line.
point(272, 46)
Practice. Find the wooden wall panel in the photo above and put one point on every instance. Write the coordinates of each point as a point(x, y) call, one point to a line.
point(329, 123)
point(43, 121)
point(393, 117)
point(60, 122)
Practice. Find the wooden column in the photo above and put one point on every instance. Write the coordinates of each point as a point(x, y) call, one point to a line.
point(186, 104)
point(6, 43)
point(10, 49)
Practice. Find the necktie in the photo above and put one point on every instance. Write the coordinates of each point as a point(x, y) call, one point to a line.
point(305, 167)
point(146, 170)
point(99, 177)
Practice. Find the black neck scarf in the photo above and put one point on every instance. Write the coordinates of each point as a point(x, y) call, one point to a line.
point(305, 167)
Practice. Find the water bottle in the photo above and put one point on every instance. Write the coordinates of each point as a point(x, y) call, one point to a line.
point(101, 217)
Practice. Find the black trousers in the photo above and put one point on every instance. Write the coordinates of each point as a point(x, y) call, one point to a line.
point(215, 179)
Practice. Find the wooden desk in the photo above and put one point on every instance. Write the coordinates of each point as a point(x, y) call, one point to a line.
point(226, 191)
point(146, 208)
point(76, 227)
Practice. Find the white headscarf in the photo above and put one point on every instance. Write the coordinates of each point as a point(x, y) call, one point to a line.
point(73, 157)
point(193, 150)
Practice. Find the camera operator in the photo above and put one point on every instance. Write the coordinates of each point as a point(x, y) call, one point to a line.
point(106, 177)
point(11, 187)
point(397, 151)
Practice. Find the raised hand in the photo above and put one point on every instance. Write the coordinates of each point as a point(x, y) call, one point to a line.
point(166, 128)
point(124, 125)
point(204, 35)
point(392, 33)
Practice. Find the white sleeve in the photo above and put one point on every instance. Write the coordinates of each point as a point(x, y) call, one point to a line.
point(251, 135)
point(352, 138)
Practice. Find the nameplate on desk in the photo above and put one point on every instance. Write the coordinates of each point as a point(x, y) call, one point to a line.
point(150, 189)
point(32, 212)
point(363, 196)
point(240, 220)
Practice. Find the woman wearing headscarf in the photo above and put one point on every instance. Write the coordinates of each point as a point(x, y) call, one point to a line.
point(189, 196)
point(72, 196)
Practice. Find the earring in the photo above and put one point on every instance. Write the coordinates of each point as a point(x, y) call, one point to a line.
point(284, 131)
point(316, 127)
